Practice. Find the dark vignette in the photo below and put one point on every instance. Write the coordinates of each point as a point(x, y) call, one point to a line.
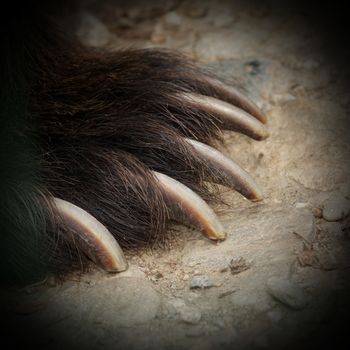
point(329, 20)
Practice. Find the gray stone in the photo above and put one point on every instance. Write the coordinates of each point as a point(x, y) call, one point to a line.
point(336, 207)
point(92, 32)
point(190, 315)
point(300, 205)
point(201, 281)
point(287, 293)
point(172, 20)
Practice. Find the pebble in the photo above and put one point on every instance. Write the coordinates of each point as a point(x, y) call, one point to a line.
point(317, 212)
point(287, 293)
point(201, 281)
point(172, 20)
point(336, 207)
point(300, 205)
point(190, 315)
point(92, 32)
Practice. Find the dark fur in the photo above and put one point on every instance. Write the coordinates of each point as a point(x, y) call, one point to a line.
point(93, 124)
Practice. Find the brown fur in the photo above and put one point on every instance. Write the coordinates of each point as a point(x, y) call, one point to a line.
point(101, 121)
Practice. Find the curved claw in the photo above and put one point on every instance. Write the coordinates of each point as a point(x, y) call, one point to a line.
point(231, 117)
point(187, 207)
point(94, 238)
point(226, 171)
point(238, 99)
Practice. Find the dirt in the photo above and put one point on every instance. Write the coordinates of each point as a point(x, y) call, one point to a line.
point(281, 274)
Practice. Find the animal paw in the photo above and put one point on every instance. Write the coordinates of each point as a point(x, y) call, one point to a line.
point(127, 142)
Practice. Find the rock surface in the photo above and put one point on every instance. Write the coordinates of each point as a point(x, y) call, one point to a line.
point(336, 207)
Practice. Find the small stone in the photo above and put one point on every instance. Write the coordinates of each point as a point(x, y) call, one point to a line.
point(317, 213)
point(190, 315)
point(201, 281)
point(92, 32)
point(300, 205)
point(287, 293)
point(172, 20)
point(336, 207)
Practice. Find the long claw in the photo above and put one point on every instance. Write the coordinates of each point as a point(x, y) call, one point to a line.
point(231, 117)
point(226, 171)
point(238, 99)
point(187, 207)
point(94, 238)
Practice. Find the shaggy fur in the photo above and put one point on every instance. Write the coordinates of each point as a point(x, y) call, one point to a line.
point(88, 126)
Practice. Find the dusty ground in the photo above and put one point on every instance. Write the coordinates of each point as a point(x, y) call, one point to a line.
point(281, 274)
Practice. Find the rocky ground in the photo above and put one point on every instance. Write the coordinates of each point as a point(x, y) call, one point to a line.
point(281, 276)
